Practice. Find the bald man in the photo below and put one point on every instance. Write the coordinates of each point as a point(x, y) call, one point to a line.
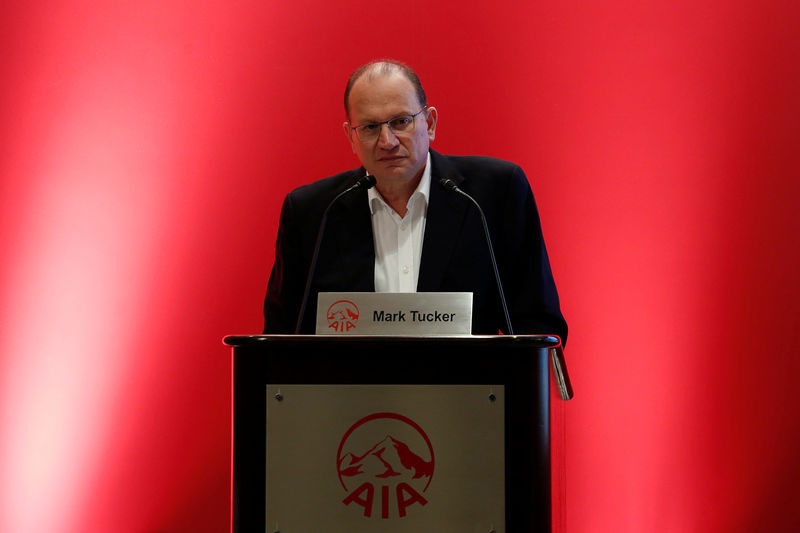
point(408, 233)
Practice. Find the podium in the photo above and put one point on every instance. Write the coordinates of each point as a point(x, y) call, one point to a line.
point(374, 433)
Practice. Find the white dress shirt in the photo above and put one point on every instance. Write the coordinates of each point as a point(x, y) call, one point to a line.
point(398, 240)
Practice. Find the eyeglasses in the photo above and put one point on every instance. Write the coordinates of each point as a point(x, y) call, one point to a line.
point(397, 125)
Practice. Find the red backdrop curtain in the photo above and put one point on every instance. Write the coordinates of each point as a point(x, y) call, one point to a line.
point(146, 148)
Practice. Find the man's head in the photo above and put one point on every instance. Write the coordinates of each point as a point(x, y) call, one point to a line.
point(384, 67)
point(377, 93)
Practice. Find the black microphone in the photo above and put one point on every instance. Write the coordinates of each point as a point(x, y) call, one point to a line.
point(364, 182)
point(450, 185)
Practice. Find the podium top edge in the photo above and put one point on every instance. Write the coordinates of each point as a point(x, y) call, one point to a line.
point(534, 341)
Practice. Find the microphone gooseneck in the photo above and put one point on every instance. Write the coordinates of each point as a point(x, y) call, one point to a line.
point(364, 182)
point(451, 185)
point(556, 352)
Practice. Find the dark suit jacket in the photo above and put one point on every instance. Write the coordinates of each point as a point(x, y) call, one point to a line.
point(454, 252)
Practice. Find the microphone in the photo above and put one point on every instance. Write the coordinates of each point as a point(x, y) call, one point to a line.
point(364, 182)
point(450, 185)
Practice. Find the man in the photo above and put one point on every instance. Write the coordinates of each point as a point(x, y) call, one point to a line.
point(409, 233)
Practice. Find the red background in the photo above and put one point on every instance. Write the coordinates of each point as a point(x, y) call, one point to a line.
point(145, 148)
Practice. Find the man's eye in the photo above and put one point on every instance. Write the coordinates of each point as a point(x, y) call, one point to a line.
point(370, 127)
point(401, 122)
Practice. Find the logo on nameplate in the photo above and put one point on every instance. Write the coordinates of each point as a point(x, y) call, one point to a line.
point(342, 316)
point(385, 464)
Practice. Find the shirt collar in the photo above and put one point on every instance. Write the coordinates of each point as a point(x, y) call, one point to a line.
point(421, 193)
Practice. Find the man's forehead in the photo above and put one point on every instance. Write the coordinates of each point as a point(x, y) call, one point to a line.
point(381, 93)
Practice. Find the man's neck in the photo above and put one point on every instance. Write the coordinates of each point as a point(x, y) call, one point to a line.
point(397, 194)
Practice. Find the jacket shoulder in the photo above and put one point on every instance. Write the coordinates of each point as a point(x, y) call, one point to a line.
point(468, 166)
point(322, 191)
point(477, 173)
point(473, 162)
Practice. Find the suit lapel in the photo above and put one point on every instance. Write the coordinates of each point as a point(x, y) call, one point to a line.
point(445, 218)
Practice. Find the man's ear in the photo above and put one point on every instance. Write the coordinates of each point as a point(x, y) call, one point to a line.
point(432, 120)
point(348, 132)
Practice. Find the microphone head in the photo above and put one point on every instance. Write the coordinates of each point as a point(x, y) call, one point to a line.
point(448, 184)
point(366, 181)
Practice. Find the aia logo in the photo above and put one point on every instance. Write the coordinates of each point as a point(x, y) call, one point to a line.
point(385, 463)
point(342, 316)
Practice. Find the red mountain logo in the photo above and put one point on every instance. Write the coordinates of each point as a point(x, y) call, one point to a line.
point(342, 316)
point(391, 457)
point(391, 464)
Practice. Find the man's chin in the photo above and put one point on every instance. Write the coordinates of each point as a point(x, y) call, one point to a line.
point(391, 173)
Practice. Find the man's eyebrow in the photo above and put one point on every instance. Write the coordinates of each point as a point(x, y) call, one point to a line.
point(375, 121)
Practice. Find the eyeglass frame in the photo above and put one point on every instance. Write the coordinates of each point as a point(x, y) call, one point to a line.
point(388, 125)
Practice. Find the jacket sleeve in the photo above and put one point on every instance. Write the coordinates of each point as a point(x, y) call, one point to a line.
point(528, 280)
point(287, 279)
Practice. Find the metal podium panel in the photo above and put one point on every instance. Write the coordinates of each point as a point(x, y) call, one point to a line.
point(389, 458)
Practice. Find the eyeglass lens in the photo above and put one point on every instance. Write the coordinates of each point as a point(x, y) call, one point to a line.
point(402, 124)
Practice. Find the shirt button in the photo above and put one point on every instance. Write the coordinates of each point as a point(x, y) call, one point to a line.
point(405, 269)
point(403, 226)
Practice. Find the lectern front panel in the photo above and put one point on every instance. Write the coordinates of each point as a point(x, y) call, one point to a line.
point(312, 369)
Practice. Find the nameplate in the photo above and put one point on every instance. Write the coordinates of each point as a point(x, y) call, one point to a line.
point(394, 313)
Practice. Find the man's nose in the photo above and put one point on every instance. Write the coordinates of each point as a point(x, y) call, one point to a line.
point(387, 138)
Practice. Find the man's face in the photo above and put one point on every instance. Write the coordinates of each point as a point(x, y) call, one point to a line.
point(391, 158)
